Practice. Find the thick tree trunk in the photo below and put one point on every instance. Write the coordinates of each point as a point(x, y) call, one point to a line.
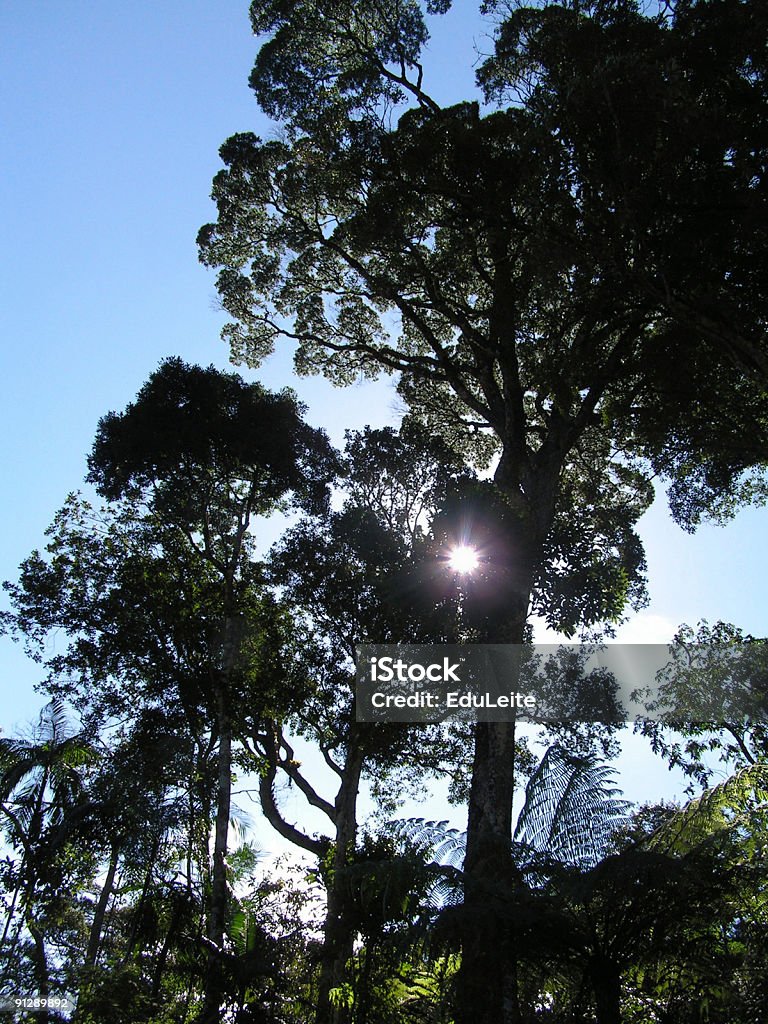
point(487, 981)
point(338, 939)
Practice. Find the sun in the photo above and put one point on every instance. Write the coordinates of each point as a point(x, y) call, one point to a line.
point(463, 559)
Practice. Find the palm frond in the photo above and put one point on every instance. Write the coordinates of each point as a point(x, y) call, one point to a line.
point(41, 776)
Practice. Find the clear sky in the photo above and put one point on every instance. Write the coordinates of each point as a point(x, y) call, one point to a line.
point(112, 115)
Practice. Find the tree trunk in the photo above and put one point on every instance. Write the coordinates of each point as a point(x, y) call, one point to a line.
point(486, 990)
point(338, 940)
point(606, 984)
point(486, 984)
point(214, 981)
point(133, 934)
point(170, 938)
point(12, 908)
point(97, 926)
point(40, 965)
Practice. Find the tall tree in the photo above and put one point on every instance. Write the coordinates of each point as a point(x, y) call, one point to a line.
point(161, 596)
point(663, 122)
point(210, 453)
point(483, 257)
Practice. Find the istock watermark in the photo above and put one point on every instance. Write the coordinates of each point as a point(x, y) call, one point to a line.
point(387, 668)
point(562, 682)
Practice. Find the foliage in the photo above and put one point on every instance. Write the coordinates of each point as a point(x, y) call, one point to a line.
point(205, 443)
point(571, 808)
point(44, 816)
point(663, 121)
point(711, 701)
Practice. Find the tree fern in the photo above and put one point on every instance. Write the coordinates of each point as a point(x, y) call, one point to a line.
point(572, 808)
point(571, 811)
point(442, 845)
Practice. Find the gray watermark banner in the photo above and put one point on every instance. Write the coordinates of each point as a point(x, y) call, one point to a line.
point(562, 682)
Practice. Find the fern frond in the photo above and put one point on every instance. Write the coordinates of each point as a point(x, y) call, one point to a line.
point(571, 809)
point(725, 806)
point(443, 845)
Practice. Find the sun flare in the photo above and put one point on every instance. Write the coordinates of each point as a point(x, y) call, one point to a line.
point(463, 559)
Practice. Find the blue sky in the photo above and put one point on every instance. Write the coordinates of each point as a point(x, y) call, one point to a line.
point(113, 113)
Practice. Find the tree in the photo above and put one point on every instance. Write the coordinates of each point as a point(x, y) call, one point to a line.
point(663, 122)
point(161, 596)
point(352, 575)
point(145, 820)
point(211, 453)
point(485, 260)
point(711, 701)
